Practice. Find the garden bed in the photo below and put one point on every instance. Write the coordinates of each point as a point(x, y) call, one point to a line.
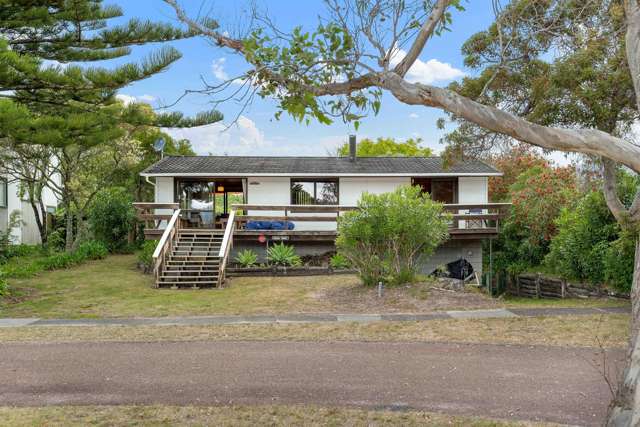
point(285, 271)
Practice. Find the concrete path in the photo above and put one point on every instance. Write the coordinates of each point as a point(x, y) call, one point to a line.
point(521, 382)
point(312, 318)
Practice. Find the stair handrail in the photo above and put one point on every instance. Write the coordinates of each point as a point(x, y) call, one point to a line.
point(165, 243)
point(225, 247)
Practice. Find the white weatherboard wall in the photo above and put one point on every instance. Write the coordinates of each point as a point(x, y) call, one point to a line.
point(351, 189)
point(27, 231)
point(164, 194)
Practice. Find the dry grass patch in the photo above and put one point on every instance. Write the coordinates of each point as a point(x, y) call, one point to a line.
point(235, 416)
point(582, 331)
point(115, 288)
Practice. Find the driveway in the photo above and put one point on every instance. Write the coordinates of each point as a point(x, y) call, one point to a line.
point(537, 383)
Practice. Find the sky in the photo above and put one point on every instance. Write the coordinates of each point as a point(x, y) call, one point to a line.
point(254, 130)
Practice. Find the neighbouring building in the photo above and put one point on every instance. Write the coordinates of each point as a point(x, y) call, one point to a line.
point(12, 202)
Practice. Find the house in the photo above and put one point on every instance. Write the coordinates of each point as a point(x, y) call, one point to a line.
point(13, 203)
point(309, 192)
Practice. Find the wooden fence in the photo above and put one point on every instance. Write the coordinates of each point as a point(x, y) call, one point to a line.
point(541, 286)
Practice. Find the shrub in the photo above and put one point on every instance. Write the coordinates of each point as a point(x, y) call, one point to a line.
point(618, 263)
point(247, 258)
point(339, 261)
point(4, 286)
point(584, 234)
point(390, 233)
point(91, 250)
point(281, 254)
point(112, 217)
point(145, 256)
point(58, 261)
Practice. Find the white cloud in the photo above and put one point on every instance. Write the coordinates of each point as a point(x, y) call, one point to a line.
point(428, 72)
point(128, 99)
point(244, 138)
point(241, 138)
point(217, 68)
point(413, 116)
point(146, 98)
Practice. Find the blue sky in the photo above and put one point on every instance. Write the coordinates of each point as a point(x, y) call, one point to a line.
point(256, 131)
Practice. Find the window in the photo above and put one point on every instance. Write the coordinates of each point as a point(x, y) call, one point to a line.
point(314, 192)
point(3, 193)
point(444, 190)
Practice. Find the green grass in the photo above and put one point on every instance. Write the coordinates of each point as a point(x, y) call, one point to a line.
point(115, 288)
point(521, 302)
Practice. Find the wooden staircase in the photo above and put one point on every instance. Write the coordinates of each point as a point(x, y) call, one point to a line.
point(193, 260)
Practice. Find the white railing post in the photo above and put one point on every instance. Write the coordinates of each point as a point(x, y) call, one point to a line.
point(225, 246)
point(166, 240)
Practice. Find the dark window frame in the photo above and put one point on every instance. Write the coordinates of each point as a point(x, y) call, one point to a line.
point(4, 200)
point(455, 179)
point(315, 182)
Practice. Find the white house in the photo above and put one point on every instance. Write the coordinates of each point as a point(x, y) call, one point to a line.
point(205, 187)
point(11, 201)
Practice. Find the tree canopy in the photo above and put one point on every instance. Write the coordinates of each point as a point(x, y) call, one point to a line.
point(389, 147)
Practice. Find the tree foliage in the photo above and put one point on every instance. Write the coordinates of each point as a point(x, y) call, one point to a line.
point(387, 147)
point(112, 217)
point(538, 195)
point(512, 162)
point(389, 233)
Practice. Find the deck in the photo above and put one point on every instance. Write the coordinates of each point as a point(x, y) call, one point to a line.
point(194, 253)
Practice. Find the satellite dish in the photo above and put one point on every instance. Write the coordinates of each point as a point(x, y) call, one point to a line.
point(158, 146)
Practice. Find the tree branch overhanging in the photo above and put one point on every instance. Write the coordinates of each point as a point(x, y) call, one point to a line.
point(425, 33)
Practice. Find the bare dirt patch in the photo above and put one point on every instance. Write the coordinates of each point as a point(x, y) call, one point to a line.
point(417, 297)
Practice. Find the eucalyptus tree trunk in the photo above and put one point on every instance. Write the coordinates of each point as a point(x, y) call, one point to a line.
point(625, 408)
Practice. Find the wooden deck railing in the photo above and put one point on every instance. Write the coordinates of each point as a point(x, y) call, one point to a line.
point(471, 217)
point(464, 215)
point(225, 247)
point(147, 213)
point(165, 244)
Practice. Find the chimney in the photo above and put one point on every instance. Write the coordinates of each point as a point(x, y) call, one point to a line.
point(352, 148)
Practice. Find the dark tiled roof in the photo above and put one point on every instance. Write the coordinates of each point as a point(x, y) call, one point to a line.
point(236, 165)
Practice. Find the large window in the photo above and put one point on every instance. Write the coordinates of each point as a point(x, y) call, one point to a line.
point(3, 193)
point(314, 192)
point(444, 190)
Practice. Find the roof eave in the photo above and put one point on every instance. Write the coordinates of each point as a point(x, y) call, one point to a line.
point(349, 175)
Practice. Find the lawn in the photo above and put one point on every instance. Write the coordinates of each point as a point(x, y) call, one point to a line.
point(115, 288)
point(577, 331)
point(236, 416)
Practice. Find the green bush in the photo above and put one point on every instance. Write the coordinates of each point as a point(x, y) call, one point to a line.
point(390, 233)
point(91, 250)
point(584, 235)
point(247, 258)
point(4, 286)
point(618, 263)
point(145, 256)
point(112, 217)
point(281, 254)
point(339, 261)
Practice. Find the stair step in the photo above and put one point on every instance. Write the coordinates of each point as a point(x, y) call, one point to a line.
point(188, 277)
point(192, 262)
point(211, 284)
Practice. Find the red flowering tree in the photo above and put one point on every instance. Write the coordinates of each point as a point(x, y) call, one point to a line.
point(512, 163)
point(538, 195)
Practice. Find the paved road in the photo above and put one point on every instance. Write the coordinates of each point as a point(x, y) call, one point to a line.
point(538, 383)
